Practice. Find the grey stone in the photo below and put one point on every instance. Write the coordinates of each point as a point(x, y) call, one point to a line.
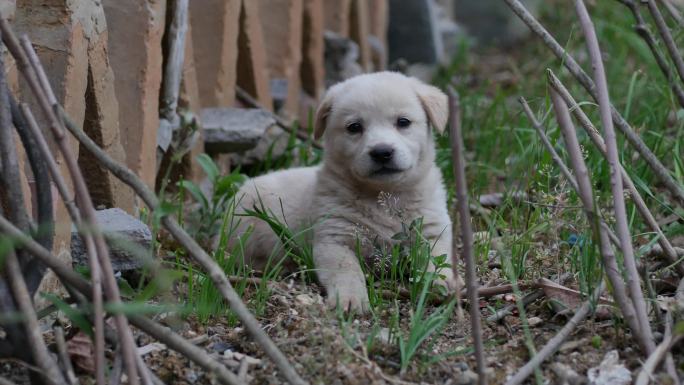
point(128, 238)
point(413, 33)
point(341, 58)
point(234, 129)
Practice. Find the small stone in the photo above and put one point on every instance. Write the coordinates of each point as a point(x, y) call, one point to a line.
point(304, 300)
point(234, 129)
point(128, 238)
point(534, 321)
point(221, 346)
point(610, 371)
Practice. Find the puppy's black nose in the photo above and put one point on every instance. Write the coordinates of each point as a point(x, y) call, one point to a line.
point(382, 153)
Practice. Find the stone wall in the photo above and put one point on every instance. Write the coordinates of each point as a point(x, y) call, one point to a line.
point(105, 61)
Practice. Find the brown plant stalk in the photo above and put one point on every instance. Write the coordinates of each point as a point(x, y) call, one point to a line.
point(69, 277)
point(669, 251)
point(665, 34)
point(93, 263)
point(632, 137)
point(458, 161)
point(214, 271)
point(619, 208)
point(32, 71)
point(642, 30)
point(587, 197)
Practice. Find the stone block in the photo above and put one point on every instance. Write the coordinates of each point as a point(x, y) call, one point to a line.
point(252, 66)
point(234, 129)
point(413, 33)
point(128, 238)
point(135, 30)
point(215, 26)
point(312, 70)
point(281, 22)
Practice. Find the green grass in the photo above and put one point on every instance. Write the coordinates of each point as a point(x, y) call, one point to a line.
point(542, 236)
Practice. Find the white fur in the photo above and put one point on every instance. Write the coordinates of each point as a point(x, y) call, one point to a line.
point(341, 195)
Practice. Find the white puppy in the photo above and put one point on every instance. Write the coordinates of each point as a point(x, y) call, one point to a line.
point(377, 139)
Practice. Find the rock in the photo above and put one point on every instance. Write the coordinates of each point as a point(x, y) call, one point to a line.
point(566, 375)
point(610, 372)
point(120, 230)
point(234, 129)
point(413, 32)
point(304, 300)
point(341, 58)
point(534, 321)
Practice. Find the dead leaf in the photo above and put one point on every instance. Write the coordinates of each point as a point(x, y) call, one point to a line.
point(82, 352)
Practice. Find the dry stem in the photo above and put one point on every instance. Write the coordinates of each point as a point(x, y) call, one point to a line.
point(641, 206)
point(586, 195)
point(208, 264)
point(457, 150)
point(619, 208)
point(554, 343)
point(633, 138)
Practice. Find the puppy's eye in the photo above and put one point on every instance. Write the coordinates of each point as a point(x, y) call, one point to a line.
point(403, 122)
point(354, 128)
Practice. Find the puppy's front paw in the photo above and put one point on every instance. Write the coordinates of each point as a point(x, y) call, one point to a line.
point(349, 297)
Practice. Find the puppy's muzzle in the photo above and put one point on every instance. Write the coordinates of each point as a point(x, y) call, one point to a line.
point(382, 153)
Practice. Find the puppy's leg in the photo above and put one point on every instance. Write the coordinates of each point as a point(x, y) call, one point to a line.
point(339, 272)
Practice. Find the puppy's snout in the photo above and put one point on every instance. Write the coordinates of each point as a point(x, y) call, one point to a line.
point(382, 153)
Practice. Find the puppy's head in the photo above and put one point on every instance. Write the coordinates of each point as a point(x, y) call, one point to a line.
point(377, 128)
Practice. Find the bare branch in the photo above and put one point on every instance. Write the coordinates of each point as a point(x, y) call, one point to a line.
point(596, 138)
point(457, 151)
point(615, 175)
point(665, 34)
point(642, 30)
point(198, 254)
point(554, 343)
point(632, 137)
point(586, 195)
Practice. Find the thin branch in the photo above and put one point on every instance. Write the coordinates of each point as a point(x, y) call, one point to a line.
point(673, 11)
point(64, 355)
point(41, 355)
point(457, 151)
point(13, 273)
point(93, 264)
point(554, 343)
point(665, 34)
point(587, 197)
point(71, 278)
point(173, 68)
point(30, 67)
point(642, 30)
point(214, 271)
point(632, 137)
point(619, 208)
point(596, 138)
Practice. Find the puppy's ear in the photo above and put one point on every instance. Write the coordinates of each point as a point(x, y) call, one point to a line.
point(322, 115)
point(435, 104)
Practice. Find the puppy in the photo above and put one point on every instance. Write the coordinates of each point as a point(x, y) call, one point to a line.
point(377, 132)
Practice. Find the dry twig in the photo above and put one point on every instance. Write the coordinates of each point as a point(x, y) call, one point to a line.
point(632, 137)
point(587, 197)
point(639, 203)
point(642, 30)
point(554, 343)
point(665, 34)
point(208, 263)
point(33, 72)
point(457, 151)
point(615, 175)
